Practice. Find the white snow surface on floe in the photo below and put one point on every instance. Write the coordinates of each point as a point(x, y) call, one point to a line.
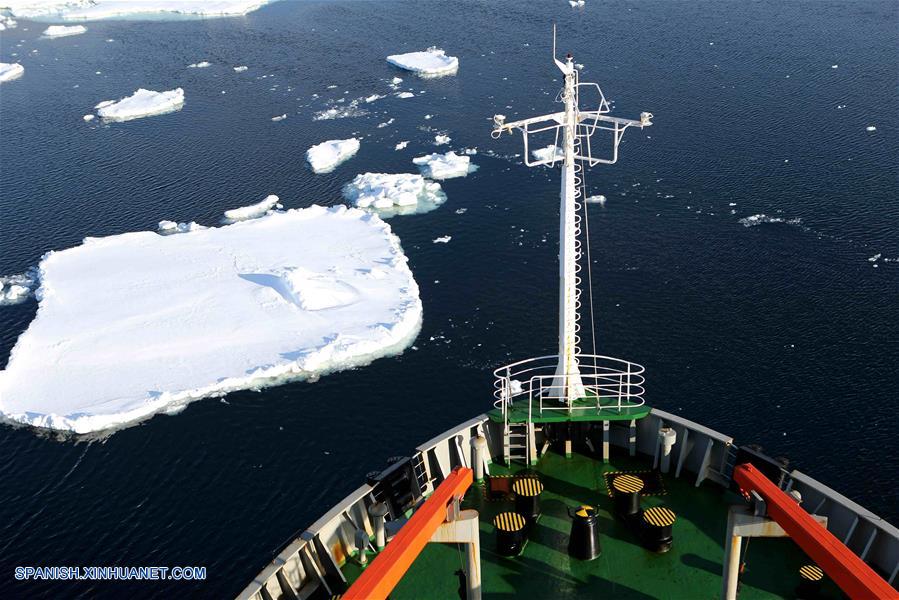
point(550, 152)
point(433, 62)
point(137, 324)
point(253, 211)
point(403, 193)
point(10, 71)
point(440, 139)
point(89, 10)
point(142, 103)
point(325, 157)
point(444, 166)
point(64, 30)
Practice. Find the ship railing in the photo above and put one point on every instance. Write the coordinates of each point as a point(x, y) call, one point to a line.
point(608, 383)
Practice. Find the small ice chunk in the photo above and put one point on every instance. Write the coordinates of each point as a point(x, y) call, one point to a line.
point(433, 62)
point(279, 117)
point(88, 117)
point(870, 128)
point(574, 3)
point(386, 192)
point(15, 289)
point(441, 139)
point(64, 30)
point(405, 95)
point(401, 145)
point(876, 257)
point(10, 71)
point(142, 103)
point(240, 69)
point(199, 65)
point(252, 211)
point(340, 112)
point(373, 97)
point(597, 199)
point(170, 227)
point(834, 66)
point(396, 80)
point(762, 218)
point(386, 123)
point(550, 153)
point(444, 239)
point(444, 166)
point(325, 157)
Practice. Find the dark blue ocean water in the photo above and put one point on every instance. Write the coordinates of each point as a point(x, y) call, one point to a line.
point(781, 334)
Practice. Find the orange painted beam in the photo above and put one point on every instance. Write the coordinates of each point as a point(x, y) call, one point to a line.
point(386, 570)
point(841, 564)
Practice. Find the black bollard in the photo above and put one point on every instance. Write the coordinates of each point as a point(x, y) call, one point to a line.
point(527, 497)
point(510, 528)
point(657, 522)
point(626, 490)
point(583, 543)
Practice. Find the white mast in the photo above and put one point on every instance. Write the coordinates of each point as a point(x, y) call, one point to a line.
point(574, 125)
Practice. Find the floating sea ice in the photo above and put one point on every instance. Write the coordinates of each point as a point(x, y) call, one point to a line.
point(10, 71)
point(138, 324)
point(441, 139)
point(88, 117)
point(401, 145)
point(92, 10)
point(444, 166)
point(7, 23)
point(340, 112)
point(550, 152)
point(597, 199)
point(15, 289)
point(240, 69)
point(142, 103)
point(394, 193)
point(761, 218)
point(386, 123)
point(834, 66)
point(870, 128)
point(253, 211)
point(199, 65)
point(170, 227)
point(373, 97)
point(64, 30)
point(396, 80)
point(445, 239)
point(279, 117)
point(433, 62)
point(405, 95)
point(325, 157)
point(576, 2)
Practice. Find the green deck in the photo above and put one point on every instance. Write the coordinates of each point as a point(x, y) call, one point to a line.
point(583, 409)
point(691, 570)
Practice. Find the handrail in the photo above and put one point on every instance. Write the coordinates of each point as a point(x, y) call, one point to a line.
point(536, 378)
point(386, 570)
point(842, 565)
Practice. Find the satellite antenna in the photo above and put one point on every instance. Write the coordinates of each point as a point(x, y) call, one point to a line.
point(577, 128)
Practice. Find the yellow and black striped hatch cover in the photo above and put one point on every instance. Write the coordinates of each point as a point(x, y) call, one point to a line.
point(627, 484)
point(509, 521)
point(811, 573)
point(659, 516)
point(527, 486)
point(584, 511)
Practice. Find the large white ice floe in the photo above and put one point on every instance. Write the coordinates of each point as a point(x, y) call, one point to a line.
point(64, 30)
point(89, 10)
point(325, 157)
point(444, 166)
point(433, 62)
point(10, 71)
point(253, 211)
point(142, 103)
point(391, 194)
point(137, 324)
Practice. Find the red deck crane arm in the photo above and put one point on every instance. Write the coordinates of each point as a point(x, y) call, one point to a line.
point(841, 564)
point(385, 571)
